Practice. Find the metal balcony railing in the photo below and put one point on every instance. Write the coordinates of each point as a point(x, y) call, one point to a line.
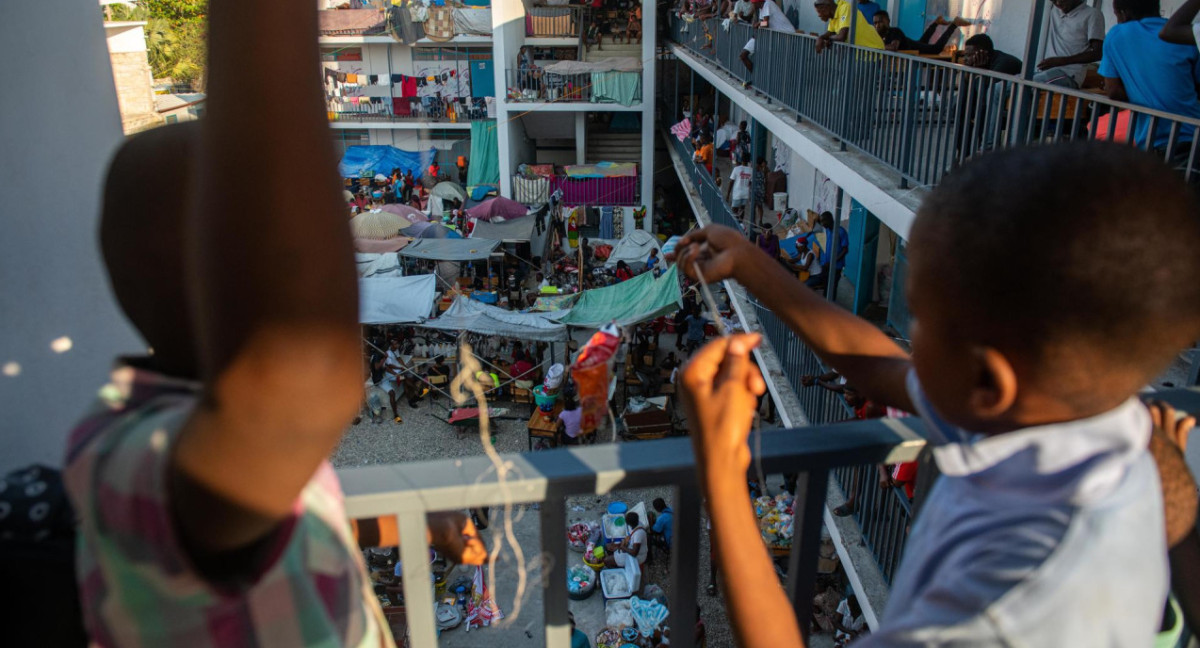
point(410, 491)
point(407, 109)
point(545, 21)
point(623, 191)
point(535, 85)
point(883, 515)
point(923, 117)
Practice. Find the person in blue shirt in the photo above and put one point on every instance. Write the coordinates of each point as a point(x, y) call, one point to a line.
point(663, 523)
point(1140, 68)
point(839, 261)
point(578, 639)
point(652, 262)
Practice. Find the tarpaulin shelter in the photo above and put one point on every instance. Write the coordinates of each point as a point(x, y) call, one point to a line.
point(378, 265)
point(642, 298)
point(396, 300)
point(485, 154)
point(417, 228)
point(378, 225)
point(490, 209)
point(448, 190)
point(366, 161)
point(412, 214)
point(469, 315)
point(634, 247)
point(511, 231)
point(450, 249)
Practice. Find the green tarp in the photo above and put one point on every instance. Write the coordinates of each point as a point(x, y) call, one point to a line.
point(485, 154)
point(624, 88)
point(629, 302)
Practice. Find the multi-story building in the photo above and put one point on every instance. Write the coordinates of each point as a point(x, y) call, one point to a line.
point(523, 68)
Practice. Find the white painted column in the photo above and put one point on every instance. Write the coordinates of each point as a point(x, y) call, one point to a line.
point(508, 31)
point(649, 81)
point(580, 138)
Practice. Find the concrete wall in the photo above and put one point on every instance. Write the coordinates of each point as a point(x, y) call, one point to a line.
point(68, 133)
point(131, 75)
point(508, 33)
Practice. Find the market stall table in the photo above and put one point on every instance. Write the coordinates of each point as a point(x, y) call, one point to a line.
point(655, 422)
point(544, 425)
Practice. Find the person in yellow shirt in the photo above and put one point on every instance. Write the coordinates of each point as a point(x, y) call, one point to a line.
point(837, 14)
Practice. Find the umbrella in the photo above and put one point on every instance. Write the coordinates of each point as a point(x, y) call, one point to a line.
point(411, 214)
point(449, 191)
point(438, 231)
point(418, 228)
point(378, 225)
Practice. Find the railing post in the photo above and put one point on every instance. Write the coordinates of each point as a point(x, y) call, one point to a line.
point(811, 490)
point(553, 521)
point(418, 584)
point(1024, 103)
point(685, 563)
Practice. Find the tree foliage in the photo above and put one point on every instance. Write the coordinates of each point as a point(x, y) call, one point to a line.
point(176, 33)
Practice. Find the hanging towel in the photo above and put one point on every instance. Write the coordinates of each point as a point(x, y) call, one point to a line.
point(408, 88)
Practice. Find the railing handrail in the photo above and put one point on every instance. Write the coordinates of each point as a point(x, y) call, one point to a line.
point(454, 484)
point(1014, 80)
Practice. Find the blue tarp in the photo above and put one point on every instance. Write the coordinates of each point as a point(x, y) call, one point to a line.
point(370, 160)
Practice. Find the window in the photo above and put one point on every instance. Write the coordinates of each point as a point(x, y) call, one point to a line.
point(171, 119)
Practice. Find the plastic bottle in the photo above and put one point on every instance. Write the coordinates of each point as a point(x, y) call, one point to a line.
point(461, 601)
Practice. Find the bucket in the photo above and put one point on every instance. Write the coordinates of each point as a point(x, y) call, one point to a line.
point(781, 201)
point(544, 401)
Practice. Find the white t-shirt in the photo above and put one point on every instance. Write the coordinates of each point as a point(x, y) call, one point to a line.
point(638, 537)
point(1196, 30)
point(775, 18)
point(749, 46)
point(741, 177)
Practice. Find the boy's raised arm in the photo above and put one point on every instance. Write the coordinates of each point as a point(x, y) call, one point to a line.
point(853, 346)
point(272, 278)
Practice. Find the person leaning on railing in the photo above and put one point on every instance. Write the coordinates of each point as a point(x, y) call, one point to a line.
point(208, 512)
point(1051, 522)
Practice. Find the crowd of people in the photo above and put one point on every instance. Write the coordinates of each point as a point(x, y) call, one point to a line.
point(403, 188)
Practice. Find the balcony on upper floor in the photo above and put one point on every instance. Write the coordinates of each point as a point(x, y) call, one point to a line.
point(605, 184)
point(412, 24)
point(920, 116)
point(611, 84)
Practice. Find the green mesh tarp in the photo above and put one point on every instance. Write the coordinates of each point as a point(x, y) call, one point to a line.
point(485, 156)
point(629, 302)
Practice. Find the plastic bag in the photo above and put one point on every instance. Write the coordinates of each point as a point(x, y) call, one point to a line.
point(591, 371)
point(554, 377)
point(647, 614)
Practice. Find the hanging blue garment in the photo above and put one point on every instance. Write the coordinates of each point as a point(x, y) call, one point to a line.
point(606, 223)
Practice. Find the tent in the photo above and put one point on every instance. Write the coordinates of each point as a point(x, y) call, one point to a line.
point(412, 214)
point(510, 231)
point(447, 190)
point(629, 302)
point(450, 249)
point(633, 248)
point(466, 314)
point(378, 225)
point(396, 300)
point(360, 161)
point(502, 207)
point(438, 231)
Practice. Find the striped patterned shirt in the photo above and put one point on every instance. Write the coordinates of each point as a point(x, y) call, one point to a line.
point(137, 585)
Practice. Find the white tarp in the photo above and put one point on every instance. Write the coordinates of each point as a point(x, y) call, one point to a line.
point(378, 265)
point(634, 248)
point(466, 314)
point(396, 300)
point(616, 64)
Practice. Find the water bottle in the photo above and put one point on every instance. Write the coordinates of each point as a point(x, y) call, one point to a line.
point(462, 598)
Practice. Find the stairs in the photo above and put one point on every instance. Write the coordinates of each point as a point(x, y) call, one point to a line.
point(614, 50)
point(606, 146)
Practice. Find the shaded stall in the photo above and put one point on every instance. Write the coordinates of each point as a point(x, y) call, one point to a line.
point(450, 249)
point(642, 298)
point(499, 207)
point(396, 300)
point(367, 161)
point(633, 248)
point(378, 225)
point(469, 315)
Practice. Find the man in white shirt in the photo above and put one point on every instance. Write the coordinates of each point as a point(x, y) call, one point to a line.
point(635, 544)
point(738, 192)
point(1075, 39)
point(772, 17)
